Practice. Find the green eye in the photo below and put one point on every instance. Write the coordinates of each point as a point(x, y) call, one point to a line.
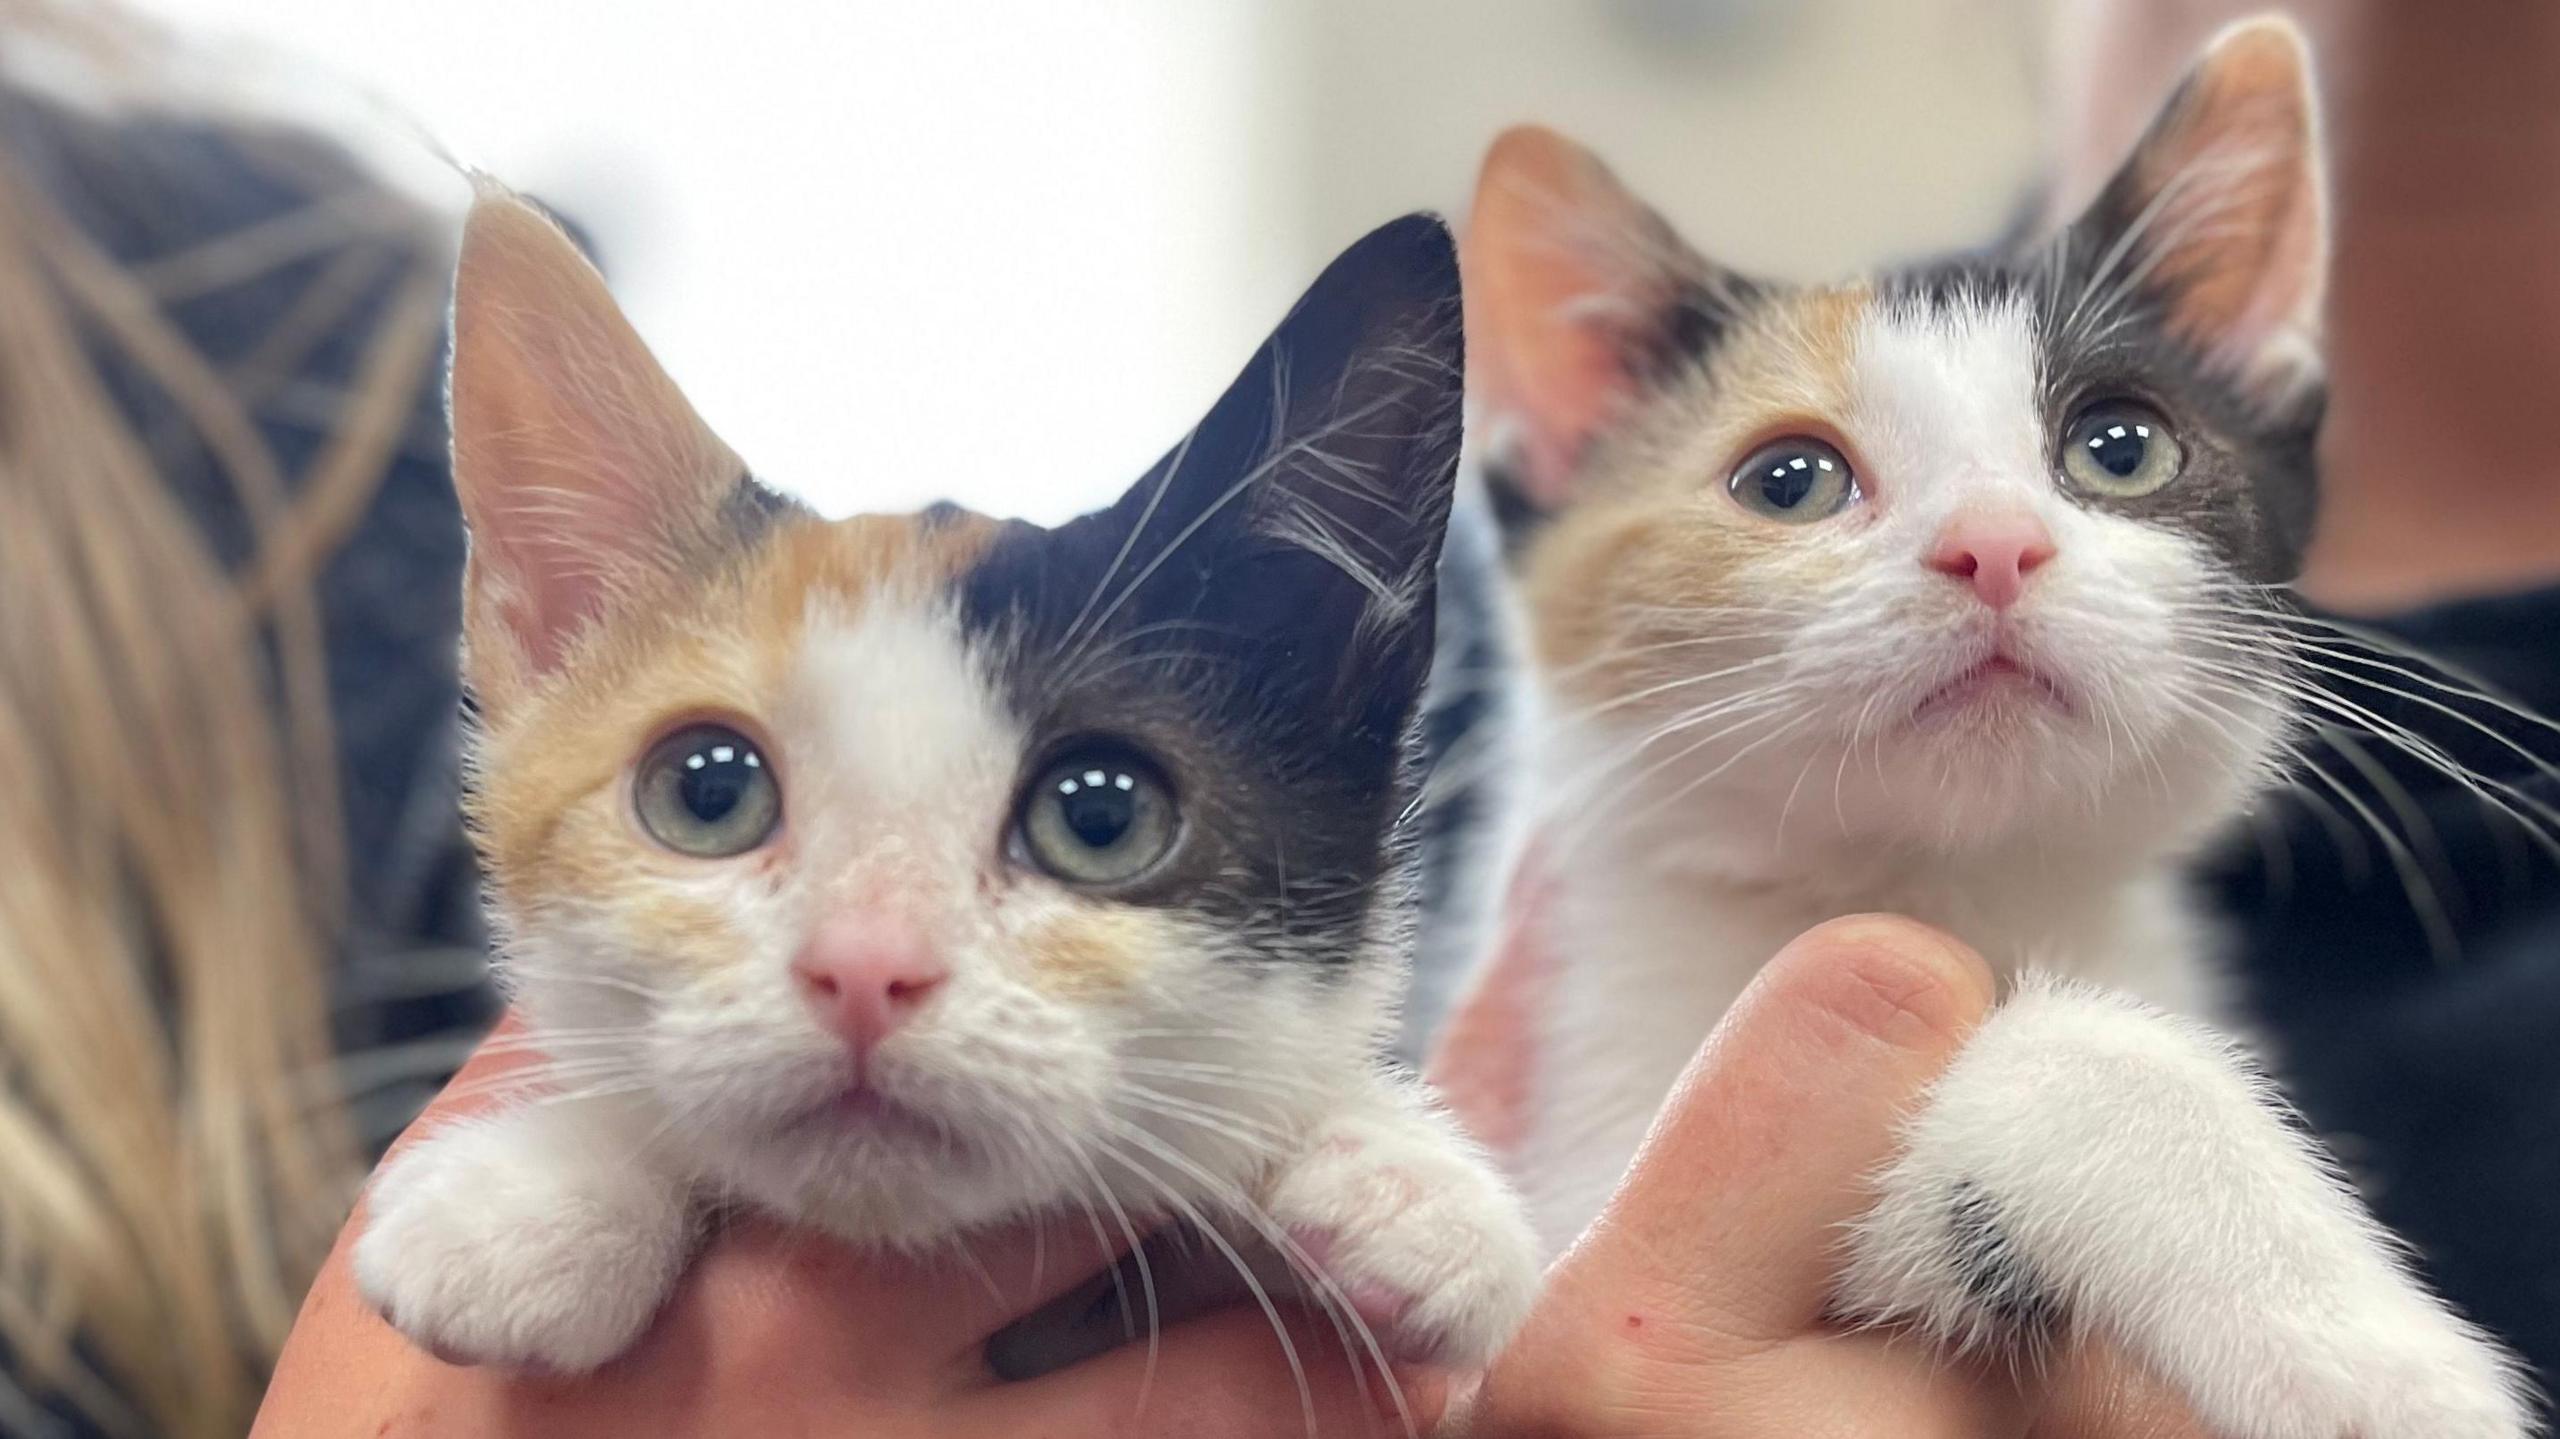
point(2120, 450)
point(706, 791)
point(1098, 815)
point(1795, 481)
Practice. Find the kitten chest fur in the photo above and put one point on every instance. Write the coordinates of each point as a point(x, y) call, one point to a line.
point(1650, 954)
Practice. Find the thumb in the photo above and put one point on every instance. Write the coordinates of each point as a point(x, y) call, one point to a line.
point(1728, 1226)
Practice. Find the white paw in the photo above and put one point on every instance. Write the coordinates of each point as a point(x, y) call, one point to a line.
point(520, 1240)
point(2090, 1162)
point(2416, 1371)
point(1414, 1228)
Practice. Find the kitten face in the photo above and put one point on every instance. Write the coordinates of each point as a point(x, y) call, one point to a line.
point(1939, 558)
point(914, 872)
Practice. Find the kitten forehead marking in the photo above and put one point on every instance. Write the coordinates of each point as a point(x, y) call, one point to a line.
point(892, 694)
point(844, 640)
point(1949, 395)
point(1800, 352)
point(923, 748)
point(727, 649)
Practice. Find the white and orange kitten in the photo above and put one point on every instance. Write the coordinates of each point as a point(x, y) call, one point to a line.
point(1932, 592)
point(906, 875)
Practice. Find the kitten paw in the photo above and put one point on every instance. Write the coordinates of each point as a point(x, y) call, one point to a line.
point(1417, 1234)
point(2087, 1161)
point(2392, 1374)
point(520, 1241)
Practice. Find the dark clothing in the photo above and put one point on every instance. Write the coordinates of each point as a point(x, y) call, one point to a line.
point(2432, 1068)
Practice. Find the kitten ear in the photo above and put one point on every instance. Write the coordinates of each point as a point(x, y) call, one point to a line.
point(1577, 292)
point(2219, 212)
point(1303, 517)
point(583, 473)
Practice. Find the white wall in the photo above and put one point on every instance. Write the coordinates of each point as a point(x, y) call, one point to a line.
point(1005, 252)
point(1795, 139)
point(894, 252)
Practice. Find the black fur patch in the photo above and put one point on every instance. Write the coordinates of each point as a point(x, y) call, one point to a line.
point(1692, 327)
point(2249, 490)
point(940, 514)
point(1996, 1277)
point(1256, 614)
point(751, 509)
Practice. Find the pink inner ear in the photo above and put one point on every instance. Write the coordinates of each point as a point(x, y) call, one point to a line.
point(549, 574)
point(583, 472)
point(1576, 384)
point(2238, 237)
point(563, 505)
point(1564, 268)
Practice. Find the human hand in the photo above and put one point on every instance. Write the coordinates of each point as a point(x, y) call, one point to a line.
point(1695, 1306)
point(785, 1333)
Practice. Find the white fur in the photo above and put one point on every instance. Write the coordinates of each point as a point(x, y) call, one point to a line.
point(1391, 1196)
point(549, 1233)
point(2142, 1173)
point(528, 1237)
point(2152, 1188)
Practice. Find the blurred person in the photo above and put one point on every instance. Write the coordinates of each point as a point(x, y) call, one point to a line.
point(229, 568)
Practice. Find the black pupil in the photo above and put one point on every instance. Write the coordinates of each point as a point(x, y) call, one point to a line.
point(1790, 479)
point(715, 777)
point(2119, 446)
point(1098, 806)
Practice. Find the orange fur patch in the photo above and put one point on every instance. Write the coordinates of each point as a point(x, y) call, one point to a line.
point(1655, 532)
point(1093, 950)
point(550, 808)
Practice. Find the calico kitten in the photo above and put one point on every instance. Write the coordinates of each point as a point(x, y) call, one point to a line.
point(1933, 592)
point(908, 875)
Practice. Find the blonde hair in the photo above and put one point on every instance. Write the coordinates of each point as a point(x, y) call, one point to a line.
point(174, 1158)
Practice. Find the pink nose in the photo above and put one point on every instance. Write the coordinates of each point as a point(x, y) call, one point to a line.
point(864, 977)
point(1994, 553)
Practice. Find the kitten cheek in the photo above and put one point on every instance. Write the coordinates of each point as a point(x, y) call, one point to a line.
point(1092, 952)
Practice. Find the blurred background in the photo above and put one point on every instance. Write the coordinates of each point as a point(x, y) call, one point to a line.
point(1005, 253)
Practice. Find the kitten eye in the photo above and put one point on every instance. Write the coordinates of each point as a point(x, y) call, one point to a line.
point(2121, 450)
point(706, 791)
point(1796, 481)
point(1097, 816)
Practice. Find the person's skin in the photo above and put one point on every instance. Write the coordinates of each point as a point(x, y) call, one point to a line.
point(2443, 132)
point(1693, 1308)
point(783, 1333)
